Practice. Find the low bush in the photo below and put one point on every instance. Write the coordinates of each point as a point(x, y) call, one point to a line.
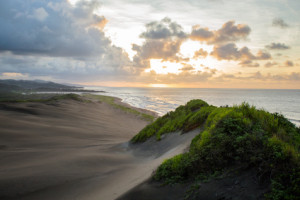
point(231, 136)
point(175, 120)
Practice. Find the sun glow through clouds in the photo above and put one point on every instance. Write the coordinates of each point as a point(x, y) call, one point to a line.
point(159, 85)
point(164, 67)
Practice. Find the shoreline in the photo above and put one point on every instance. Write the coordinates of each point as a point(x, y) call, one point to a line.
point(284, 102)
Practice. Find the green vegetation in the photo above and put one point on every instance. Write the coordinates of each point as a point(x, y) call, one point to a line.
point(232, 136)
point(183, 118)
point(111, 101)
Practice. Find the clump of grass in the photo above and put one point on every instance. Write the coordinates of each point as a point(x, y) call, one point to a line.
point(238, 135)
point(111, 101)
point(183, 118)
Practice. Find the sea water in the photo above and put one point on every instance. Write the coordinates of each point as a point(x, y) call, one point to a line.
point(163, 100)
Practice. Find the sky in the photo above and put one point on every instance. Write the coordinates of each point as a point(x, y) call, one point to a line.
point(140, 43)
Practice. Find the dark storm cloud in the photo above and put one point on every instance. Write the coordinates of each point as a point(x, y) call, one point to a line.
point(52, 28)
point(277, 46)
point(55, 39)
point(278, 22)
point(229, 32)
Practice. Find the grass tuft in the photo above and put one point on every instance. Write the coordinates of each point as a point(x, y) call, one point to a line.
point(111, 101)
point(184, 118)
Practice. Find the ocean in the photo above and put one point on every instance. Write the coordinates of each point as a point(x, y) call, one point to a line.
point(163, 100)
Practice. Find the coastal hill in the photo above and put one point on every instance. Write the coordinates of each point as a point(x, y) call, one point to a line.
point(240, 153)
point(19, 85)
point(70, 146)
point(10, 85)
point(17, 90)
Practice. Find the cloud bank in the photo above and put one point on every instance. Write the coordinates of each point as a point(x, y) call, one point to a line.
point(277, 46)
point(229, 32)
point(162, 41)
point(278, 22)
point(57, 40)
point(53, 28)
point(231, 52)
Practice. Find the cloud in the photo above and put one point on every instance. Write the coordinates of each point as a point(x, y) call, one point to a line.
point(109, 66)
point(54, 28)
point(163, 29)
point(294, 76)
point(187, 67)
point(201, 34)
point(278, 22)
point(39, 14)
point(184, 77)
point(14, 75)
point(59, 40)
point(158, 49)
point(231, 52)
point(262, 55)
point(248, 63)
point(201, 53)
point(229, 32)
point(271, 64)
point(162, 41)
point(258, 76)
point(277, 46)
point(288, 63)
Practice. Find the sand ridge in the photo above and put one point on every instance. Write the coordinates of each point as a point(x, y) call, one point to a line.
point(75, 150)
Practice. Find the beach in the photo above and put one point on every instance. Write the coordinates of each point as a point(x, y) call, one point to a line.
point(68, 149)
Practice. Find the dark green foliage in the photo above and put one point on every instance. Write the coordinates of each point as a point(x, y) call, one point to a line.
point(195, 119)
point(175, 169)
point(239, 135)
point(175, 120)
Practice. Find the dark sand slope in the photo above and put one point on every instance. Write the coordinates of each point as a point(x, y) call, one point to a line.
point(75, 150)
point(237, 185)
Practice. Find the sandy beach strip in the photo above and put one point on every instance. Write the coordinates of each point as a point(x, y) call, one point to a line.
point(75, 150)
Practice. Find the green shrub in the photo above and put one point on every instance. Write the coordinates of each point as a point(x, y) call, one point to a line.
point(236, 135)
point(176, 120)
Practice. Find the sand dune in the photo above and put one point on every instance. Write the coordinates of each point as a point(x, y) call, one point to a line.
point(75, 150)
